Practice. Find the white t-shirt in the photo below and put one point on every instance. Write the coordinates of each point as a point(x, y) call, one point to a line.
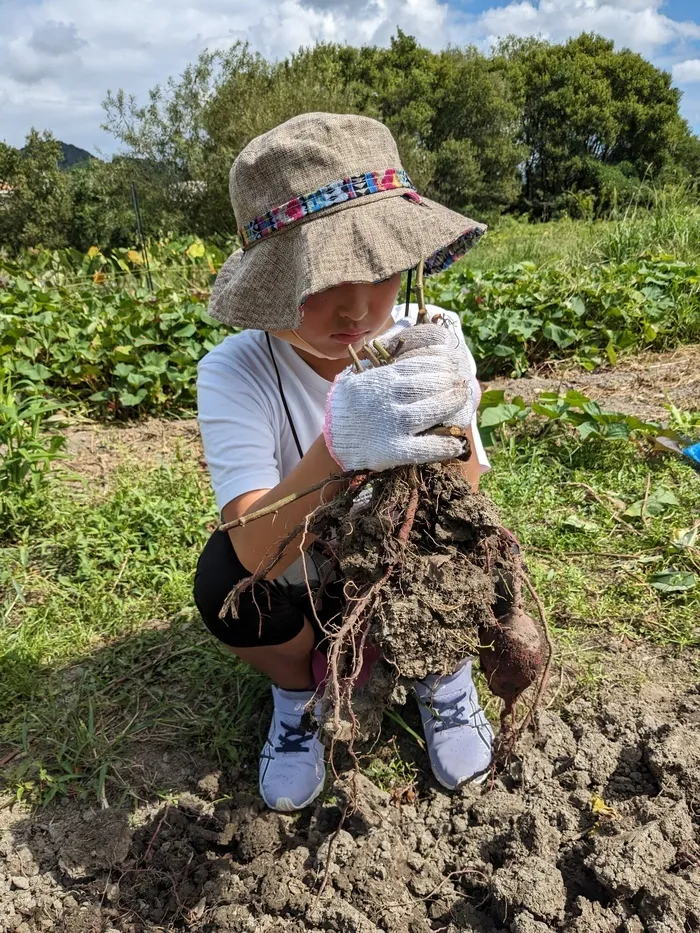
point(248, 442)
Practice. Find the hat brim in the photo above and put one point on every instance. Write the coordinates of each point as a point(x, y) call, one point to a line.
point(265, 286)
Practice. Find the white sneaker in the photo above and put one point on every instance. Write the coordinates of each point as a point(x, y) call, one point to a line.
point(292, 766)
point(457, 732)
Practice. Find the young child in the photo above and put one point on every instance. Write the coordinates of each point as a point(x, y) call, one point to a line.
point(329, 220)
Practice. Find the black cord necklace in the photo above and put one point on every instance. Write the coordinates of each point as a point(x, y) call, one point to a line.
point(408, 291)
point(284, 398)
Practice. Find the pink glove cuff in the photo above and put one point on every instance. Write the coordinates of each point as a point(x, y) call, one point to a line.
point(327, 432)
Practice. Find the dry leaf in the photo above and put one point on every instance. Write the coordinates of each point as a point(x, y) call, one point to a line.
point(197, 912)
point(603, 810)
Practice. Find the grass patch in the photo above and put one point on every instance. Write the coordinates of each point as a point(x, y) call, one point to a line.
point(513, 241)
point(663, 221)
point(106, 665)
point(595, 565)
point(103, 655)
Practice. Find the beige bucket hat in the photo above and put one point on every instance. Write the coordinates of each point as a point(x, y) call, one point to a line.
point(319, 200)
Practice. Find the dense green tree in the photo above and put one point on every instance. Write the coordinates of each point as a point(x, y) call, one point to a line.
point(102, 206)
point(583, 103)
point(475, 134)
point(35, 207)
point(451, 115)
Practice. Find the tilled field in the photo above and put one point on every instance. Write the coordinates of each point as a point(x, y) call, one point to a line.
point(595, 827)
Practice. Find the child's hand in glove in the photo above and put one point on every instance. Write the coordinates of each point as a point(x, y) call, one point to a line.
point(402, 341)
point(374, 418)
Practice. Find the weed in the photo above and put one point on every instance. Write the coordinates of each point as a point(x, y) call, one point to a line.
point(581, 415)
point(28, 451)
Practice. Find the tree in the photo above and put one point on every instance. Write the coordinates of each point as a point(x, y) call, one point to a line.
point(475, 134)
point(584, 103)
point(35, 210)
point(102, 208)
point(534, 126)
point(451, 115)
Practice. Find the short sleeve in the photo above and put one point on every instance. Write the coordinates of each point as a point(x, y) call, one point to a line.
point(237, 433)
point(479, 450)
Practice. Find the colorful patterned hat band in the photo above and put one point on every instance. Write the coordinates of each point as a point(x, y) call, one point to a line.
point(328, 196)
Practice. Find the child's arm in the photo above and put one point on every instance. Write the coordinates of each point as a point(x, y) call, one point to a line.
point(374, 421)
point(256, 542)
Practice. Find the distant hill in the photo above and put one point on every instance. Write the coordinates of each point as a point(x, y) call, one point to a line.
point(72, 155)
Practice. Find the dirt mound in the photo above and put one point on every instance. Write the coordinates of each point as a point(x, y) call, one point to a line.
point(595, 827)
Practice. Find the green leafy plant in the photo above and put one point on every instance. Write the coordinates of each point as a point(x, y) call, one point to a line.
point(571, 409)
point(88, 328)
point(521, 315)
point(673, 581)
point(27, 450)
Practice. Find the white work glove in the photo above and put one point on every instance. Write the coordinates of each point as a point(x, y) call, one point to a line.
point(445, 338)
point(374, 418)
point(406, 337)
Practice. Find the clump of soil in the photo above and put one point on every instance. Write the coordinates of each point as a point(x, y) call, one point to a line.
point(427, 563)
point(440, 591)
point(594, 827)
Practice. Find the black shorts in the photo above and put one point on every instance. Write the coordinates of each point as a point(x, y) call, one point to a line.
point(273, 611)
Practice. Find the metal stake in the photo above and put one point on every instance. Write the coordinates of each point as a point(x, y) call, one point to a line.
point(142, 242)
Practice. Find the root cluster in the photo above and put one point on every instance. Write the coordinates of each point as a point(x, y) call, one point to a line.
point(431, 578)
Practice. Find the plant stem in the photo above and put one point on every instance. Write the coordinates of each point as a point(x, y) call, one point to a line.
point(372, 355)
point(355, 360)
point(286, 500)
point(445, 430)
point(382, 351)
point(420, 294)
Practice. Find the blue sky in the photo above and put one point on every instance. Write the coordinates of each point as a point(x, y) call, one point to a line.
point(59, 57)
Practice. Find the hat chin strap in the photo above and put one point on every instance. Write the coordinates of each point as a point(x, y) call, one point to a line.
point(299, 342)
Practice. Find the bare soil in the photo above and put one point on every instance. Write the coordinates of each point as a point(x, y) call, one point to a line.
point(639, 386)
point(594, 827)
point(95, 450)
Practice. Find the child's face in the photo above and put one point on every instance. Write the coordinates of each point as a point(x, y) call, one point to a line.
point(347, 314)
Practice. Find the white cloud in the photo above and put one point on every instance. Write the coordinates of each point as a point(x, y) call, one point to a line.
point(344, 5)
point(58, 57)
point(636, 24)
point(687, 72)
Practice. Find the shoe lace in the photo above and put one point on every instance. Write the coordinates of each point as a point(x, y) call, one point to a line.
point(449, 713)
point(293, 738)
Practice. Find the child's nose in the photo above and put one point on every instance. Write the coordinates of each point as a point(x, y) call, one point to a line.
point(356, 305)
point(353, 313)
